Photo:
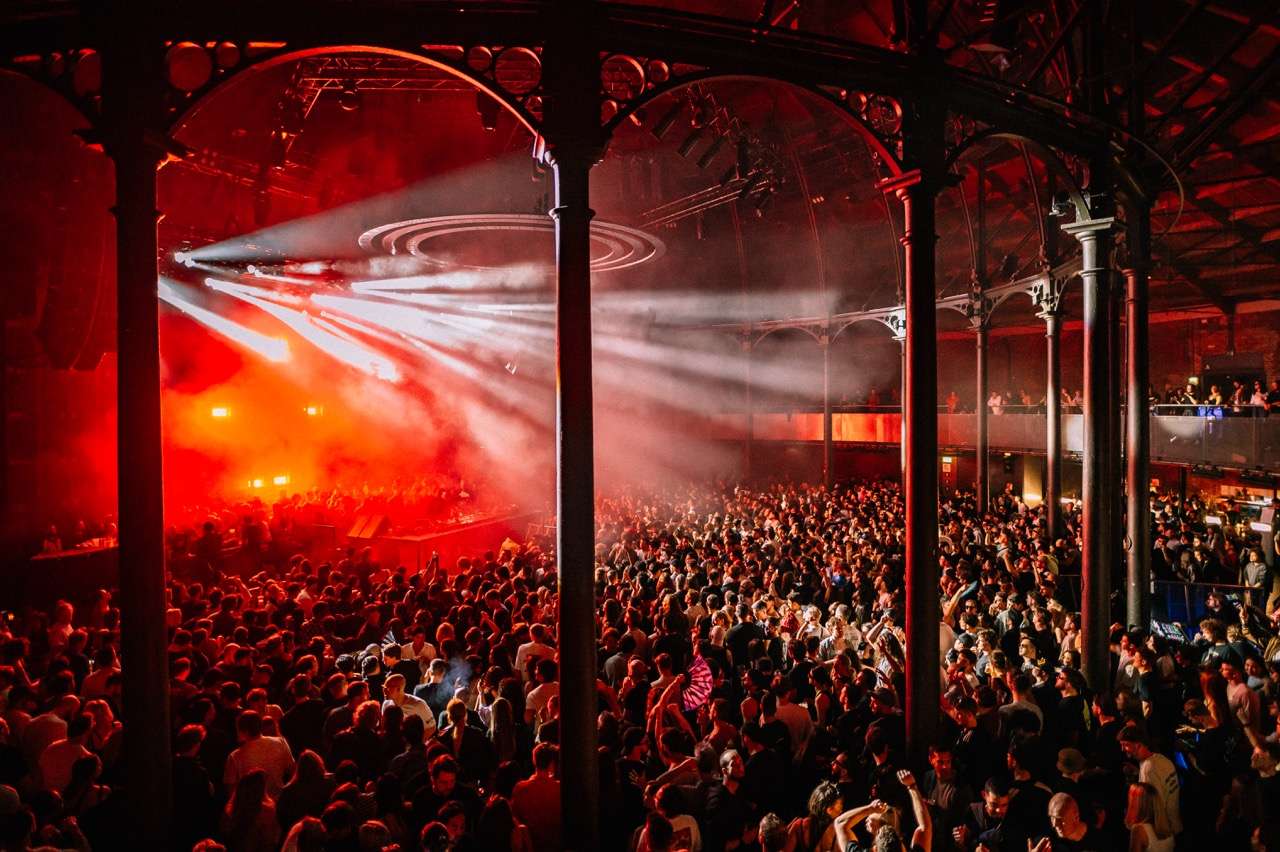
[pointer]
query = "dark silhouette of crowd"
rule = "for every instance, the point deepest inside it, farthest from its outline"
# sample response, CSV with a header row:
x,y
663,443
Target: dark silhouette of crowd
x,y
750,685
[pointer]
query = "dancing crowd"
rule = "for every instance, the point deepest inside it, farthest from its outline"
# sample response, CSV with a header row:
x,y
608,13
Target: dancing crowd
x,y
749,680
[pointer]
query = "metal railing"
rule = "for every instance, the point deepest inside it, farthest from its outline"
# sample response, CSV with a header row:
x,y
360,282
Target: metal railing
x,y
1242,442
1184,603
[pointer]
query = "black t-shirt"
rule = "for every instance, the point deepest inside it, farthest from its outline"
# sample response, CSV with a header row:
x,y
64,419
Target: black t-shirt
x,y
727,816
740,637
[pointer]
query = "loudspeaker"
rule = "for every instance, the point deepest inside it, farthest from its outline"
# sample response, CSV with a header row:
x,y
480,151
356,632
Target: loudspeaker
x,y
368,526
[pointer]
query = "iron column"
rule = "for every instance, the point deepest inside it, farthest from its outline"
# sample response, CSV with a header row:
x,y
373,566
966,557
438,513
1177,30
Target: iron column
x,y
982,481
1051,314
828,473
750,404
571,72
1137,437
1095,243
132,78
917,194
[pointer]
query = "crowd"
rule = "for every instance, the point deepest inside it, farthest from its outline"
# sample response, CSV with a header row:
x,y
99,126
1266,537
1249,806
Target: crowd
x,y
1242,398
1252,398
750,683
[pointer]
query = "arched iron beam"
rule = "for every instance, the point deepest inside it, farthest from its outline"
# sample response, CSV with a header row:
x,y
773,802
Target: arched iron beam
x,y
48,87
855,121
726,46
293,53
1046,154
1041,224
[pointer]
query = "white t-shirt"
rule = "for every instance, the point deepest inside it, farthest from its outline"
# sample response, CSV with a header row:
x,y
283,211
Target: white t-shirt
x,y
946,638
1158,771
415,706
536,701
270,754
57,761
423,658
531,651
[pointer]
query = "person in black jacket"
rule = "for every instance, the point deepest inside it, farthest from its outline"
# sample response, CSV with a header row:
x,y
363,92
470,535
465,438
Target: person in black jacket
x,y
195,812
468,745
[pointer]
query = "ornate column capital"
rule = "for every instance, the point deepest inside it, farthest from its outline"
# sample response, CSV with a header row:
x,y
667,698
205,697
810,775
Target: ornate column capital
x,y
1046,294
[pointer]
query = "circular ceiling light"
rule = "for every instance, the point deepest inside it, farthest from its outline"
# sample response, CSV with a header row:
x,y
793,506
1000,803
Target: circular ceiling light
x,y
614,246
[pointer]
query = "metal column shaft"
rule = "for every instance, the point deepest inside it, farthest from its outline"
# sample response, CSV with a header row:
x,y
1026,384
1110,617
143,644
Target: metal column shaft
x,y
828,473
920,440
1137,435
982,456
571,109
1095,242
575,504
129,91
1053,424
749,440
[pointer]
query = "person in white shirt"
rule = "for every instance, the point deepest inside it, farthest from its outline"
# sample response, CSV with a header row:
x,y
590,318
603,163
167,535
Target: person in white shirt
x,y
419,649
270,754
535,703
533,650
1158,771
58,759
796,718
393,689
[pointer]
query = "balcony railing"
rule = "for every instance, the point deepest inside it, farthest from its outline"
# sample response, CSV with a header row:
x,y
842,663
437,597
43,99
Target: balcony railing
x,y
1244,442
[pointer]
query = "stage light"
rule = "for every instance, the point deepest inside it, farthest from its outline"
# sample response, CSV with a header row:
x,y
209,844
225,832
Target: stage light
x,y
1213,520
280,480
762,203
690,142
220,411
668,120
710,154
257,483
1258,526
753,180
349,97
729,174
313,410
947,459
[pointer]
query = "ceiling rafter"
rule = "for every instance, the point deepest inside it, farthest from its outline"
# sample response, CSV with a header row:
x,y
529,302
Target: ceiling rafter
x,y
1240,101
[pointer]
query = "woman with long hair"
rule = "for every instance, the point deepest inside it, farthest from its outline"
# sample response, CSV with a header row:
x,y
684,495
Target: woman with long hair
x,y
502,730
1213,686
498,829
816,832
308,792
249,822
1145,818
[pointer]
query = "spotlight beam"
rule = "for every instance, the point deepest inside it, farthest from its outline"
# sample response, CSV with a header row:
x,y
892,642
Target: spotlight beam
x,y
274,349
347,351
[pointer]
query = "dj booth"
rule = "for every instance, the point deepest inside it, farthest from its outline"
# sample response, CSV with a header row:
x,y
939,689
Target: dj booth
x,y
73,575
468,538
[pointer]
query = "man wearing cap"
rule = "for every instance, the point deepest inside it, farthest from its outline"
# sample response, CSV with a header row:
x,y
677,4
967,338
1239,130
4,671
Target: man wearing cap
x,y
888,720
1157,770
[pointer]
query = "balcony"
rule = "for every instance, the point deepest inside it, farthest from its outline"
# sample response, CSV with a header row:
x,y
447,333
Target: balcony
x,y
1183,438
